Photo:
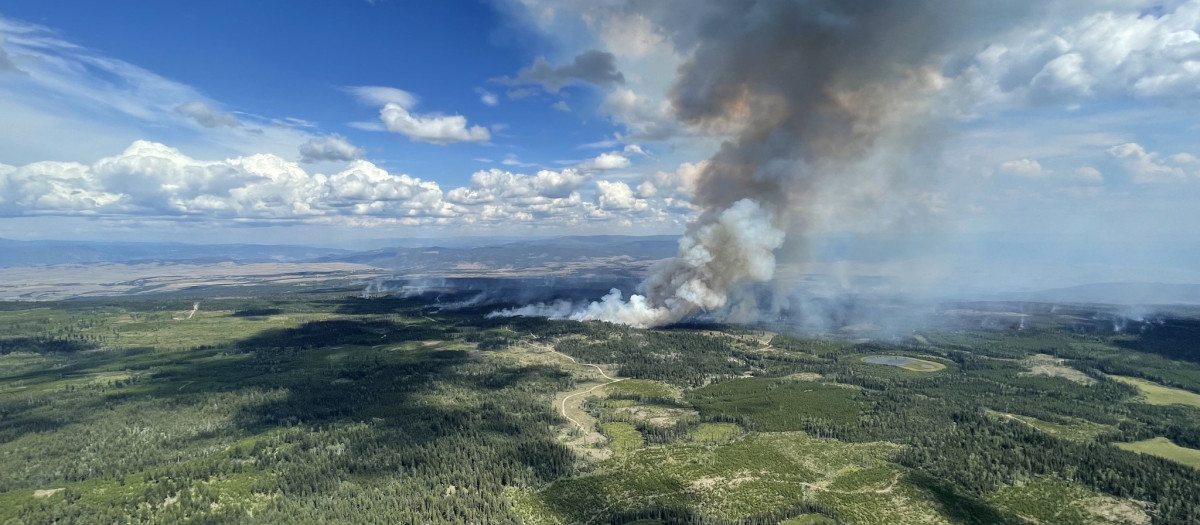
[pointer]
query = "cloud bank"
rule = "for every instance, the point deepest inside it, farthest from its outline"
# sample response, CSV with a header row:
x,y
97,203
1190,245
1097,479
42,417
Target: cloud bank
x,y
150,179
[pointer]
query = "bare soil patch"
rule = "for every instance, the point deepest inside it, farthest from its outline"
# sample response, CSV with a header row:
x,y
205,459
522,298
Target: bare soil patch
x,y
1048,365
46,493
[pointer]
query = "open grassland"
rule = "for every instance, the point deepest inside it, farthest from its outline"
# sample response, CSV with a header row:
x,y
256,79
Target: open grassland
x,y
1157,394
1047,365
655,415
1164,448
66,281
643,389
624,437
714,433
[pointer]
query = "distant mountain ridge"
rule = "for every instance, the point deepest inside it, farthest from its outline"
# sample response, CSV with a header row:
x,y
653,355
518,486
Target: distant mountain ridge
x,y
608,256
518,255
46,253
505,253
1115,293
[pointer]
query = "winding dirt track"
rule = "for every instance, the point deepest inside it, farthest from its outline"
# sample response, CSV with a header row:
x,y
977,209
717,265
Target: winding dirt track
x,y
563,406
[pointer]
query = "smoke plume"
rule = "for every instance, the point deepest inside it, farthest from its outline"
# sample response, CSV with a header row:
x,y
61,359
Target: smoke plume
x,y
825,103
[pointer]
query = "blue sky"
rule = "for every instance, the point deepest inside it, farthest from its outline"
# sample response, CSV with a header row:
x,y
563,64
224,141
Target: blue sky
x,y
327,122
272,59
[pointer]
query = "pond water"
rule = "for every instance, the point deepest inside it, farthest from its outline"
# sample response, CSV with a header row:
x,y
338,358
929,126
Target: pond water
x,y
896,360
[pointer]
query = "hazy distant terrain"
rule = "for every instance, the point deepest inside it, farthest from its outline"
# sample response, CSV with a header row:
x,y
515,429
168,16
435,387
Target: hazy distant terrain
x,y
68,281
1118,293
44,253
62,270
574,255
854,266
237,405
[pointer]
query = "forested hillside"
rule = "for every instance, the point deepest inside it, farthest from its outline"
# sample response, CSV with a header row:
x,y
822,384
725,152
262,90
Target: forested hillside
x,y
330,408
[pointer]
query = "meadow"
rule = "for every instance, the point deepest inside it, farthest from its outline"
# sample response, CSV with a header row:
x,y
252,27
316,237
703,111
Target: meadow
x,y
1164,448
1157,394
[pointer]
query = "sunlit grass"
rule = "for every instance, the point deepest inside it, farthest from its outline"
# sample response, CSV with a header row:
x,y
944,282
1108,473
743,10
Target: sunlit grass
x,y
1164,448
1156,394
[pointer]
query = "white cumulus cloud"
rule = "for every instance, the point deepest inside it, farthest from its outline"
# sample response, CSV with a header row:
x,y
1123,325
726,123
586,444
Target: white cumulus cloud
x,y
153,179
150,179
1107,53
1023,168
606,161
496,185
1145,167
616,195
682,182
487,97
436,129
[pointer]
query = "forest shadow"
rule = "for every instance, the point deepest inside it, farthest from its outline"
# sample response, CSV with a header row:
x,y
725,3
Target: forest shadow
x,y
386,304
353,371
335,332
590,499
257,312
1177,339
314,410
42,345
960,507
18,424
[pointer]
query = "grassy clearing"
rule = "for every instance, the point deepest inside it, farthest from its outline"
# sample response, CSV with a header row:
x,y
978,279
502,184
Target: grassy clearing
x,y
1050,366
1078,430
1051,500
908,363
579,432
1164,448
644,389
774,405
652,414
625,437
747,477
1156,394
714,433
207,327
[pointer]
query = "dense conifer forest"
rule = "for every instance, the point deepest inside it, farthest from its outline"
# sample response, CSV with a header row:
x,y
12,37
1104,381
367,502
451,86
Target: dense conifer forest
x,y
329,408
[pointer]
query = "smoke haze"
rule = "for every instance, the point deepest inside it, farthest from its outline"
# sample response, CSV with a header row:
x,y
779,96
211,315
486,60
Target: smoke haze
x,y
826,105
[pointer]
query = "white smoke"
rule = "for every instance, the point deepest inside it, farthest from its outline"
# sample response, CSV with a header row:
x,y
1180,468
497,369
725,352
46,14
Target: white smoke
x,y
824,104
557,310
737,246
